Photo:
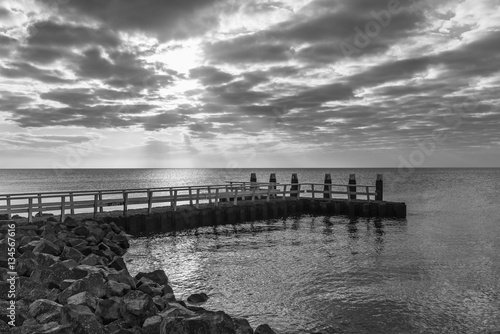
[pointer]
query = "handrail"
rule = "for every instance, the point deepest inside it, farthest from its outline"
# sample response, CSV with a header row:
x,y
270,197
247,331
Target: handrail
x,y
97,200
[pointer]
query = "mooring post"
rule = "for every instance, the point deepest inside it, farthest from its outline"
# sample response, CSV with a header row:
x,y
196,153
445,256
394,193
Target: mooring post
x,y
352,180
295,186
272,186
327,187
379,188
253,180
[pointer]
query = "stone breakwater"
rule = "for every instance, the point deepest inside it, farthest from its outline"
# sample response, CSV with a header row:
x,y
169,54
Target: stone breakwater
x,y
71,278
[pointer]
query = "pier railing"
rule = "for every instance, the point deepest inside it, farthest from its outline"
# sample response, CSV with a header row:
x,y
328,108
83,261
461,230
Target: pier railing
x,y
97,200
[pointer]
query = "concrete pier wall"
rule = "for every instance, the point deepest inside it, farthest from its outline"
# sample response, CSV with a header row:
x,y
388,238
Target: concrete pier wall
x,y
188,217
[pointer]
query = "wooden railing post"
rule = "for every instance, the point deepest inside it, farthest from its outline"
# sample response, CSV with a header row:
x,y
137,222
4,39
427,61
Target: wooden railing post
x,y
96,199
284,192
312,191
190,198
379,188
40,211
352,180
125,204
101,209
9,215
272,180
235,196
294,187
253,181
63,211
175,200
368,193
298,190
30,210
150,201
216,196
197,198
268,197
327,187
71,203
209,195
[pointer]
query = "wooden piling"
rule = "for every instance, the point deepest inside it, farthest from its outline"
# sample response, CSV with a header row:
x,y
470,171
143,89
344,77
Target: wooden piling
x,y
379,188
327,188
352,180
295,186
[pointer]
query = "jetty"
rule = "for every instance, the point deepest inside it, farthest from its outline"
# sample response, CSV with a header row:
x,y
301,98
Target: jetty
x,y
166,209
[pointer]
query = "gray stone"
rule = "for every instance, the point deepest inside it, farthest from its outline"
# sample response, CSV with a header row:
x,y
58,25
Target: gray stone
x,y
81,319
108,310
93,283
47,247
264,329
137,307
84,298
70,253
157,276
123,276
242,326
116,289
152,324
44,311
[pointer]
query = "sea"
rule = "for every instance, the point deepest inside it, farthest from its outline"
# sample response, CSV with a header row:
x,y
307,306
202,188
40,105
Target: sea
x,y
437,271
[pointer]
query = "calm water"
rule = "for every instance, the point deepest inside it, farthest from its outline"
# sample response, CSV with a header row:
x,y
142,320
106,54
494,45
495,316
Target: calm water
x,y
438,271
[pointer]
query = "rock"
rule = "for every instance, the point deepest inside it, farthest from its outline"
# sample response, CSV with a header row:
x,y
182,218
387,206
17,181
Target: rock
x,y
108,310
122,241
264,329
72,242
116,325
182,309
210,322
82,230
152,324
197,298
44,311
70,264
97,233
115,248
69,253
85,249
118,263
123,276
137,307
149,287
84,298
93,283
70,222
160,303
66,283
157,276
242,326
115,228
117,289
31,290
81,319
4,328
92,260
91,240
47,247
30,246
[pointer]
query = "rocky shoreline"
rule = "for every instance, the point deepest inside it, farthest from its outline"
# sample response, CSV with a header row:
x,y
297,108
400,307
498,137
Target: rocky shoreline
x,y
71,278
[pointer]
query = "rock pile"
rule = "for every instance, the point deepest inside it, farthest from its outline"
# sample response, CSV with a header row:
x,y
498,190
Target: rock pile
x,y
72,279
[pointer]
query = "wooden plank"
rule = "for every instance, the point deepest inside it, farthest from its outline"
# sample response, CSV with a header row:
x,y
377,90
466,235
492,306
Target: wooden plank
x,y
235,196
175,200
209,196
30,210
71,203
39,203
217,197
190,199
96,199
101,209
197,198
150,201
9,216
125,204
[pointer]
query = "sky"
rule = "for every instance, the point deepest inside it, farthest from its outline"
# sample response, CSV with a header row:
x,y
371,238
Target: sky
x,y
234,84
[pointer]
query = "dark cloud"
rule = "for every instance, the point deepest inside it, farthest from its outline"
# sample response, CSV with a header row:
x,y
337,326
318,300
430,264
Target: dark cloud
x,y
48,33
209,76
164,19
121,70
16,70
42,54
43,141
316,96
6,45
164,120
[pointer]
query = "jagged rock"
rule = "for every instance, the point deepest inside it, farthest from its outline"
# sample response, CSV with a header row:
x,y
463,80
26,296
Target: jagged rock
x,y
108,309
92,269
116,325
91,240
85,249
115,227
123,276
92,260
264,329
160,303
82,230
117,289
198,298
53,275
182,309
71,263
137,307
66,283
44,311
98,234
122,241
47,247
149,287
118,263
157,276
30,261
4,328
30,246
93,283
210,322
69,253
242,326
115,248
31,290
81,319
72,242
152,324
84,298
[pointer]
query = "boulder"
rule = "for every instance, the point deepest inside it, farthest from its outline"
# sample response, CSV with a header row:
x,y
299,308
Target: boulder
x,y
84,298
81,230
242,326
122,276
115,248
31,290
159,302
92,260
115,228
97,233
81,319
117,325
70,222
93,283
47,247
210,322
152,324
137,307
66,283
44,311
122,241
118,263
116,289
264,329
197,298
70,253
109,309
157,276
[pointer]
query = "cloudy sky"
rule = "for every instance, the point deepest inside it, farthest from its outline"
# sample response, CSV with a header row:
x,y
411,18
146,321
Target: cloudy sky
x,y
255,83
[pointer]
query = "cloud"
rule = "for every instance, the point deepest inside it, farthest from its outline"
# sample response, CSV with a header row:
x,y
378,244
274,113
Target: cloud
x,y
43,141
22,70
209,76
164,19
6,45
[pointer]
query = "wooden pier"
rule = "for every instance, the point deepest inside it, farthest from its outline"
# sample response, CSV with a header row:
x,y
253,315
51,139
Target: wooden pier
x,y
175,208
